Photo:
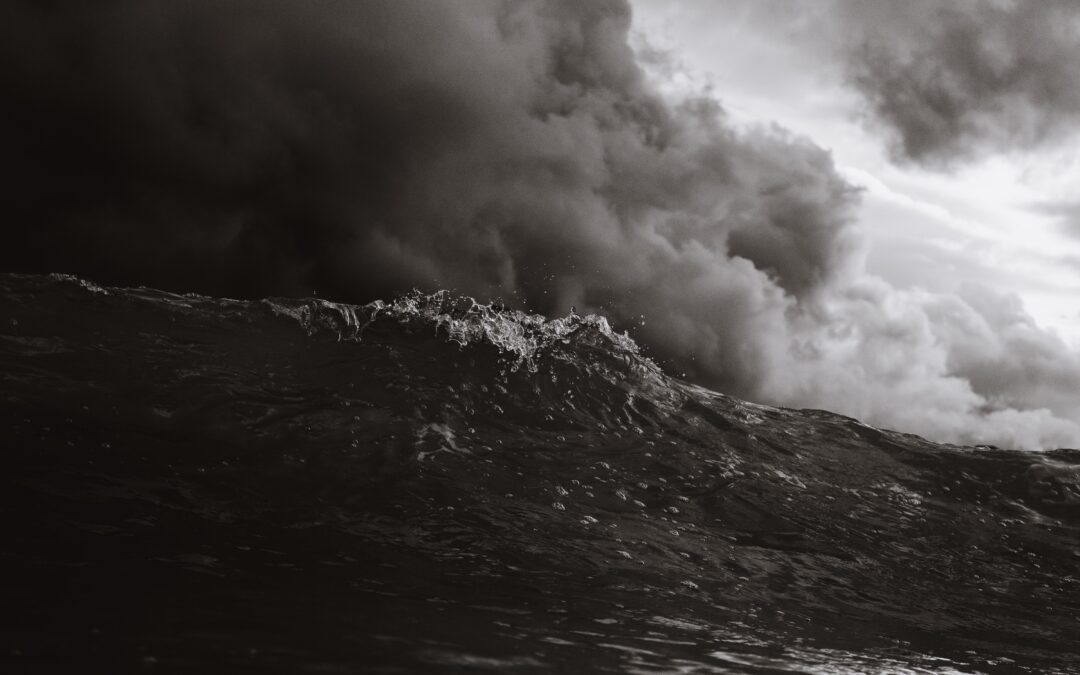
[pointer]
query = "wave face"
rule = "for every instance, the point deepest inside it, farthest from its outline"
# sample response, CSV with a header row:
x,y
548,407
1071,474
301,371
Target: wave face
x,y
434,484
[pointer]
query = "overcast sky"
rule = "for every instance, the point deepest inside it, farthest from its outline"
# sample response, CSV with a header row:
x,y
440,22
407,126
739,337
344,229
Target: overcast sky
x,y
866,206
1006,216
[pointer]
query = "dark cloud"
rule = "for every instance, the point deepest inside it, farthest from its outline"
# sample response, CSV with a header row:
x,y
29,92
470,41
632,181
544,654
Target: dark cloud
x,y
502,148
953,80
499,147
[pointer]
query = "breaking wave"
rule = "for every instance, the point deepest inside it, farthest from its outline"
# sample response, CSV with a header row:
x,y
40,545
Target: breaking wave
x,y
433,483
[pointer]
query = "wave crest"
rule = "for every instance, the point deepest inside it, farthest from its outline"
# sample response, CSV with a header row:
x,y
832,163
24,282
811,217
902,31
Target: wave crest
x,y
464,321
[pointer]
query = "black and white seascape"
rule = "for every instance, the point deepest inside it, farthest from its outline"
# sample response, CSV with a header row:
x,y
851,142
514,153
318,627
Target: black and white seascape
x,y
529,336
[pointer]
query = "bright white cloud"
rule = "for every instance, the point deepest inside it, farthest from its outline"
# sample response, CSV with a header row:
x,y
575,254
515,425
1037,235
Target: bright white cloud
x,y
939,244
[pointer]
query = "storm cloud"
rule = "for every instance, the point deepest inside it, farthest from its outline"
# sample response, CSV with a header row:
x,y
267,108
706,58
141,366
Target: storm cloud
x,y
507,149
958,80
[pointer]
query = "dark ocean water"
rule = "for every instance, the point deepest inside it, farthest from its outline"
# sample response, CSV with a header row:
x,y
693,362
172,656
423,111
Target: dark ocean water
x,y
432,485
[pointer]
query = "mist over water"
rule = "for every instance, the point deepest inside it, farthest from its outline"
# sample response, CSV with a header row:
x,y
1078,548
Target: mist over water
x,y
431,483
505,150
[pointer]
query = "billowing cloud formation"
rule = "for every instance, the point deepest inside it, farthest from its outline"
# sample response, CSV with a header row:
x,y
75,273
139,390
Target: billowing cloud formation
x,y
959,79
498,147
970,367
502,148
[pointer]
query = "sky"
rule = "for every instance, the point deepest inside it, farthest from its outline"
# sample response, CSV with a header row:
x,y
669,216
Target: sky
x,y
858,205
1006,218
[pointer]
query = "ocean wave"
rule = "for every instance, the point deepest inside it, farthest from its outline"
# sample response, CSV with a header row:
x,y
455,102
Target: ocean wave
x,y
460,479
462,320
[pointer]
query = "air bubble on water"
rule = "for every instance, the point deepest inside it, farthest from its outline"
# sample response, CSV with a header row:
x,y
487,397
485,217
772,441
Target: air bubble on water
x,y
561,490
558,506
